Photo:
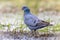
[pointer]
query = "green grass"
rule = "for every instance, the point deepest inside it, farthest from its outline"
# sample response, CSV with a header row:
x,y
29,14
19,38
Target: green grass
x,y
55,27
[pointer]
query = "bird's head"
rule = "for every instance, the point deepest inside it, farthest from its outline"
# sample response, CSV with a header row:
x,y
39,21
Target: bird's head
x,y
26,9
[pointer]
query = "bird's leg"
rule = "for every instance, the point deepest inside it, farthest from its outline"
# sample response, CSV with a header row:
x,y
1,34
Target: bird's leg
x,y
32,32
36,33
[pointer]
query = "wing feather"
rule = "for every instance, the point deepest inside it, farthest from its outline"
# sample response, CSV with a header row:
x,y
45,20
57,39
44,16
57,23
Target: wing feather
x,y
31,20
42,23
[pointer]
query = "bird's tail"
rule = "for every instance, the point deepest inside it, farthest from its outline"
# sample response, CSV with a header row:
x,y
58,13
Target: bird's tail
x,y
50,25
47,24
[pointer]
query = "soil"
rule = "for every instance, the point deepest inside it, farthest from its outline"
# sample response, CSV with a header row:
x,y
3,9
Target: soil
x,y
27,36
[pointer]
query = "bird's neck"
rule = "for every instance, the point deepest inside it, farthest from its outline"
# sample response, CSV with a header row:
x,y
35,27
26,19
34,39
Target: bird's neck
x,y
26,13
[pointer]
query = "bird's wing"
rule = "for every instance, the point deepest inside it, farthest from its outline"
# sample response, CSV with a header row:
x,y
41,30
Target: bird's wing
x,y
42,23
31,20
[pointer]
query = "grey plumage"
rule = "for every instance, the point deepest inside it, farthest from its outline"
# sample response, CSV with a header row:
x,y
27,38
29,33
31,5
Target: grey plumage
x,y
32,21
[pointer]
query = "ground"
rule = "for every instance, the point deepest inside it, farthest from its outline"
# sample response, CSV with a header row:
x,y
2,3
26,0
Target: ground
x,y
25,36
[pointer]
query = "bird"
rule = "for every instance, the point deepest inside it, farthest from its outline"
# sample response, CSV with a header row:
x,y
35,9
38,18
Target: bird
x,y
32,21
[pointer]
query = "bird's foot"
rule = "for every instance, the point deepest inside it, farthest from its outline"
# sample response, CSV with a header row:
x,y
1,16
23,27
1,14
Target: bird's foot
x,y
36,34
30,34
